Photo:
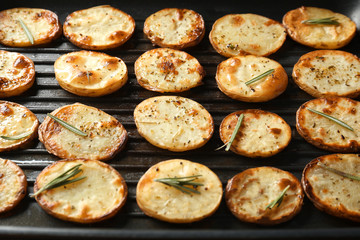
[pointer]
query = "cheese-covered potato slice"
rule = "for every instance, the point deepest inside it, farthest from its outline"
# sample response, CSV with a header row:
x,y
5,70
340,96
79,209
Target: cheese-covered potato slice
x,y
326,134
17,73
90,74
98,28
320,36
249,193
330,192
324,73
261,133
106,136
43,25
168,70
174,123
169,204
18,123
13,185
175,28
233,73
242,34
99,196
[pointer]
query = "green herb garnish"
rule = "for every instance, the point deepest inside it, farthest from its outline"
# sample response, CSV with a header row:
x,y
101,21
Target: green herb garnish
x,y
278,200
27,31
341,123
233,135
231,46
17,137
180,182
68,126
268,72
326,21
62,180
338,172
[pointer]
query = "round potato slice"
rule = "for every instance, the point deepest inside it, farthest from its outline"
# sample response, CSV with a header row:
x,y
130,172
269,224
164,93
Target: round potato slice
x,y
176,204
233,74
175,28
90,74
18,126
329,190
17,73
242,34
325,133
13,185
261,133
174,123
249,195
105,135
98,196
168,70
324,73
99,28
320,36
43,25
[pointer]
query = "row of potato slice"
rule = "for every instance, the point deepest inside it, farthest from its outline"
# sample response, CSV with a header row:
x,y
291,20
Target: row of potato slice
x,y
103,191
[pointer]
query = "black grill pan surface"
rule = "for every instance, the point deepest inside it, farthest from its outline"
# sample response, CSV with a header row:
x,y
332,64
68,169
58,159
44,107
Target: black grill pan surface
x,y
28,220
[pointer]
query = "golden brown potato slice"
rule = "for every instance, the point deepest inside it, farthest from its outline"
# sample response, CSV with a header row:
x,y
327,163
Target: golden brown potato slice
x,y
175,28
249,193
168,70
99,28
320,36
90,74
169,204
43,25
330,192
13,185
326,134
242,34
233,73
99,196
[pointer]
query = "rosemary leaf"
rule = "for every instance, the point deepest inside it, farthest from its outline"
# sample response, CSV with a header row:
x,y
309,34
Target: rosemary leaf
x,y
257,78
68,126
231,46
217,149
341,123
17,137
27,31
338,172
233,135
326,21
62,180
180,182
278,200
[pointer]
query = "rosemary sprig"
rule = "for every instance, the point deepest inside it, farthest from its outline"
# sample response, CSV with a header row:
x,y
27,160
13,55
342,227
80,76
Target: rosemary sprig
x,y
326,21
341,123
233,135
278,200
27,31
62,180
338,172
17,137
257,78
68,126
180,182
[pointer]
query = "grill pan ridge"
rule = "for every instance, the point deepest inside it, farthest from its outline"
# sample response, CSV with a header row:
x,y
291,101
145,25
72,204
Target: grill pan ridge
x,y
28,220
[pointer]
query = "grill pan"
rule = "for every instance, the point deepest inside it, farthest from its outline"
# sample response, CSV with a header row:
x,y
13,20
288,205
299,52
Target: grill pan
x,y
28,220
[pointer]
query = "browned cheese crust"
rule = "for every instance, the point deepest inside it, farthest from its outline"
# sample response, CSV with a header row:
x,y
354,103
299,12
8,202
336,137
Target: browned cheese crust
x,y
248,194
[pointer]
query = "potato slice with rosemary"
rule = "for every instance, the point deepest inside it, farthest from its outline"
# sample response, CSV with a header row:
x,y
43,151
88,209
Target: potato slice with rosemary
x,y
98,195
179,191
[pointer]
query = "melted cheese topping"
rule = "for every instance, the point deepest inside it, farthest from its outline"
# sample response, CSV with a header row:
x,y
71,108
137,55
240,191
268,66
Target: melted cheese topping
x,y
15,120
100,193
167,203
167,70
173,123
98,26
329,72
240,34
